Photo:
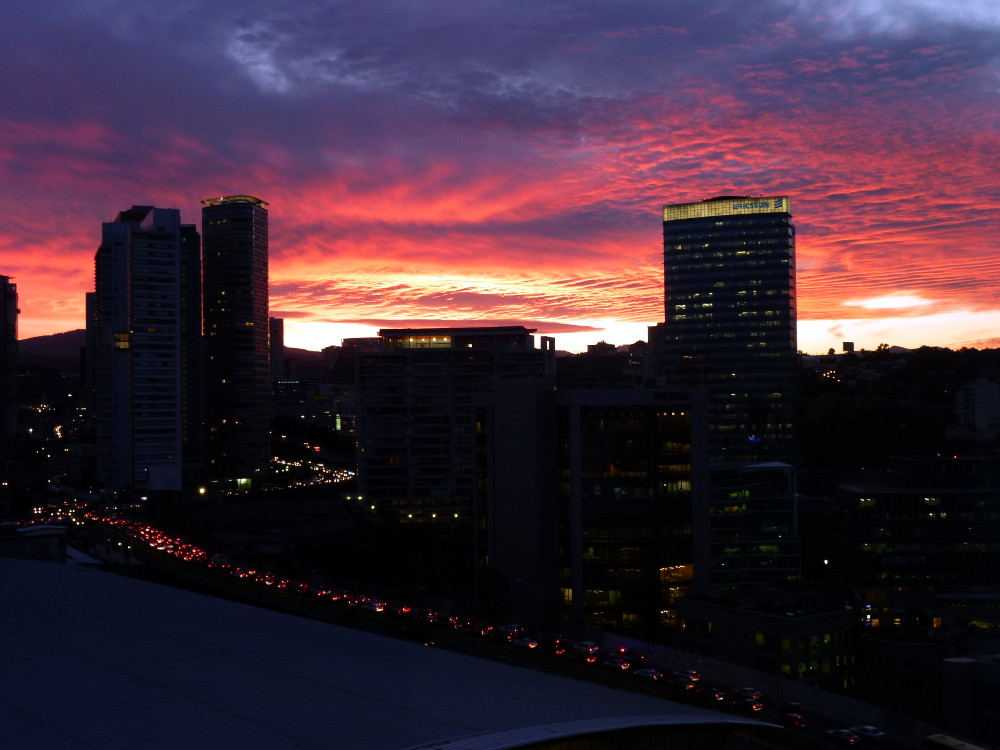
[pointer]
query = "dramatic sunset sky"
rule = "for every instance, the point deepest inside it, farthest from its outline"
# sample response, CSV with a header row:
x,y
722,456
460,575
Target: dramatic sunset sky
x,y
497,162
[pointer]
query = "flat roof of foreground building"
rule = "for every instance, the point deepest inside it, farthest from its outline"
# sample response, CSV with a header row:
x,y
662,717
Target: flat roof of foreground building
x,y
94,659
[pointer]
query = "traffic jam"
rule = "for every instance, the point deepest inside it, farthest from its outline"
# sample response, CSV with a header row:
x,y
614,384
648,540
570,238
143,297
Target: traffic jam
x,y
589,658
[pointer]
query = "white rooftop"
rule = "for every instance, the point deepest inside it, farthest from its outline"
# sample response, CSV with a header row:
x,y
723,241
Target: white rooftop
x,y
96,660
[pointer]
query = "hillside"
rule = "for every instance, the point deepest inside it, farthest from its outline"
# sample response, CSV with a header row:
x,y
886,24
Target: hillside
x,y
62,350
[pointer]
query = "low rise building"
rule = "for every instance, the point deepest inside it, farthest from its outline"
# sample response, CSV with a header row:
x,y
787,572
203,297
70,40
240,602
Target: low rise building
x,y
799,635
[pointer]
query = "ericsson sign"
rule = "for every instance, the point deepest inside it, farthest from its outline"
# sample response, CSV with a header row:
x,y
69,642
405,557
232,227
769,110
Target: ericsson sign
x,y
727,206
769,203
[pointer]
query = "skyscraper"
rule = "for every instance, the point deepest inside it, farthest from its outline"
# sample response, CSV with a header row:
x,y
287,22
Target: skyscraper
x,y
237,357
729,271
8,365
141,320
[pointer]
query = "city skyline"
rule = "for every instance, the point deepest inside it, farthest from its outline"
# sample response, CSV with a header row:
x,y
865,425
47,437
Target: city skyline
x,y
506,164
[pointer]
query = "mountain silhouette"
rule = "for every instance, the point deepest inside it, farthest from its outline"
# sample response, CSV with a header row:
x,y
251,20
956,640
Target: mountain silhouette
x,y
62,350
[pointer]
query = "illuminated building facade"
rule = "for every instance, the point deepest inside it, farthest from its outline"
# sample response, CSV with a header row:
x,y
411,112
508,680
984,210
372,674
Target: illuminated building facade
x,y
754,532
416,399
237,354
143,324
633,508
729,283
804,636
923,535
729,270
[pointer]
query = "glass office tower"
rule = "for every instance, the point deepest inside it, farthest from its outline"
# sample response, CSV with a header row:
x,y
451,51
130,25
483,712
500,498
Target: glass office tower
x,y
729,268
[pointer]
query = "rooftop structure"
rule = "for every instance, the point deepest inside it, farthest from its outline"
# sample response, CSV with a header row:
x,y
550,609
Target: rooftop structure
x,y
108,661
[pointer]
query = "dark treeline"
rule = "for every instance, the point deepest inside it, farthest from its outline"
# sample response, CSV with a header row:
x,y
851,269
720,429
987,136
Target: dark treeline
x,y
859,409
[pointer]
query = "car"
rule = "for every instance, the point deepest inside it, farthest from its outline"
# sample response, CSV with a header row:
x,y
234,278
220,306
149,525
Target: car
x,y
792,707
868,732
749,704
554,644
844,736
586,650
681,683
510,632
747,692
429,615
526,641
791,721
616,662
689,673
340,596
632,655
647,674
710,695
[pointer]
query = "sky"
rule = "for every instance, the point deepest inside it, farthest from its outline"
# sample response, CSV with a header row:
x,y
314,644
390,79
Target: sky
x,y
481,162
